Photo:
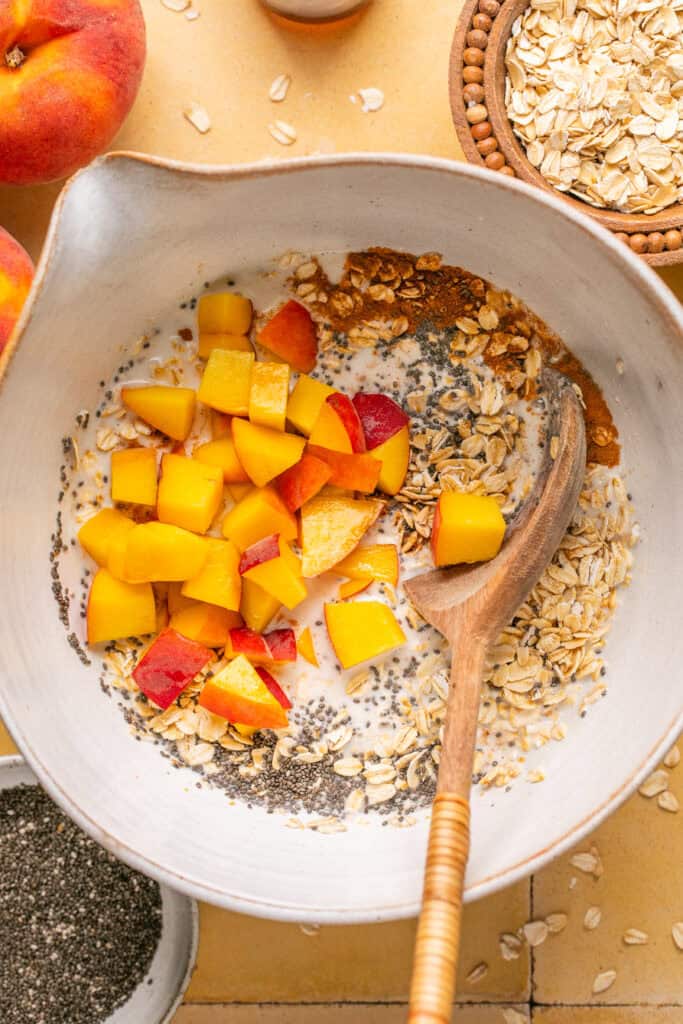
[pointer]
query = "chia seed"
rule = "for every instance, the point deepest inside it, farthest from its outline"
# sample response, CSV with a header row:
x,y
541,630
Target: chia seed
x,y
78,929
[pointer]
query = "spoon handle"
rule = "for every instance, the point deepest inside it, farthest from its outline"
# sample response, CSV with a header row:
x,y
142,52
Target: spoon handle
x,y
438,931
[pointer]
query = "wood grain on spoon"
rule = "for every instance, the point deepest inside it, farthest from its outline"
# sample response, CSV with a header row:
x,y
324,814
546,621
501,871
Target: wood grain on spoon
x,y
470,605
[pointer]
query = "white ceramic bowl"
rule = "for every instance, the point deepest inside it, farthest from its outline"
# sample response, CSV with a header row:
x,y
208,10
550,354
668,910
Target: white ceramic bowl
x,y
161,991
130,235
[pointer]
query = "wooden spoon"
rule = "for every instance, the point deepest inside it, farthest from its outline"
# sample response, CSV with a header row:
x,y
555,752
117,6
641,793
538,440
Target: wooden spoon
x,y
470,605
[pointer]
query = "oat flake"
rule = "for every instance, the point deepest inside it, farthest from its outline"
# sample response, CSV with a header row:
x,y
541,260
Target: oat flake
x,y
198,117
283,132
592,918
677,934
603,981
279,88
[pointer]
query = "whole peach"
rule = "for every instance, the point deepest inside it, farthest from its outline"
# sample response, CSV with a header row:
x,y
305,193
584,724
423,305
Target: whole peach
x,y
16,274
69,73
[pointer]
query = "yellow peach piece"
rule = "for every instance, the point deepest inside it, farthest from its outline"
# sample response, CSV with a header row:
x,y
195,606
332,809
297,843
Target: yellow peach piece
x,y
239,491
360,630
394,455
244,730
259,514
304,645
233,342
269,393
371,562
279,576
219,582
175,598
305,403
222,453
349,588
239,694
117,610
257,608
220,424
206,623
331,527
265,453
467,528
99,533
168,409
226,381
157,552
134,476
329,431
224,313
190,493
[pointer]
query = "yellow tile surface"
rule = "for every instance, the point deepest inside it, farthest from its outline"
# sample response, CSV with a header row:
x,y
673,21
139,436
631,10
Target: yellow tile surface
x,y
604,1015
357,1014
359,963
6,742
642,887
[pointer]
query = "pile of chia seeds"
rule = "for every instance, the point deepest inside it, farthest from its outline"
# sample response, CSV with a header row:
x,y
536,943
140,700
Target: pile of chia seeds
x,y
78,929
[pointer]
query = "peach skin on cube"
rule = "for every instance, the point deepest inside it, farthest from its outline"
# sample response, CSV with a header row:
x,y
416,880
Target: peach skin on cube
x,y
239,694
224,313
117,610
159,552
233,342
305,403
168,665
221,453
219,581
371,562
134,476
190,493
331,527
303,481
269,394
259,514
291,335
168,409
206,623
226,381
257,608
360,630
394,455
467,528
353,472
97,535
272,565
265,453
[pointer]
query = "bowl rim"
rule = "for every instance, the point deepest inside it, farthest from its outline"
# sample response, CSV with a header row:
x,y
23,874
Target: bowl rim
x,y
636,274
494,75
8,762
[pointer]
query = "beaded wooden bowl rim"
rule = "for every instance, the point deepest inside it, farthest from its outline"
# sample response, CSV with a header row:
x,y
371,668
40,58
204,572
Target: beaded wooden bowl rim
x,y
478,58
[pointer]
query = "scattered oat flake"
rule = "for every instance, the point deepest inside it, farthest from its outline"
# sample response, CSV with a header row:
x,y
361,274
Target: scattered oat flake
x,y
282,132
192,14
634,937
310,929
603,981
556,923
592,918
198,117
673,757
477,973
535,932
655,784
176,5
279,88
372,99
510,946
677,934
668,801
586,862
511,1016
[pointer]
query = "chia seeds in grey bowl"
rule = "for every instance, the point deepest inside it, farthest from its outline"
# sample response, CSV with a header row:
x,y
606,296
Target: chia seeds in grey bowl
x,y
85,939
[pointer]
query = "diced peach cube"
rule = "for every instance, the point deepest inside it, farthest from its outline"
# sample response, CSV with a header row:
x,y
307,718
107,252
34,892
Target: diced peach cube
x,y
305,403
257,607
158,552
117,610
272,565
226,382
329,431
349,588
394,455
224,313
206,623
360,630
168,409
219,581
263,452
222,453
302,481
190,493
291,334
331,527
97,535
239,491
467,528
134,476
168,665
371,562
269,394
239,694
259,514
233,342
351,471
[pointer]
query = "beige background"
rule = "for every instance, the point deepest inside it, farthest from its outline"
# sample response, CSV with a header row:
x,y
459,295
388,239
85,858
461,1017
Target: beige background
x,y
256,972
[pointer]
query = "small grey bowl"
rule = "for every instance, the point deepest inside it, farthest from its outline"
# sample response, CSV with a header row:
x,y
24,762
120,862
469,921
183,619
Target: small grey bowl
x,y
161,991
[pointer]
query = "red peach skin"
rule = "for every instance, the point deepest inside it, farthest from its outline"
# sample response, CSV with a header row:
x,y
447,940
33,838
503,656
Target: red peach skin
x,y
16,274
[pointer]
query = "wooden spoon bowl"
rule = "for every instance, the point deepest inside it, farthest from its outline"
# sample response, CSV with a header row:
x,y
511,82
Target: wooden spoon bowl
x,y
478,58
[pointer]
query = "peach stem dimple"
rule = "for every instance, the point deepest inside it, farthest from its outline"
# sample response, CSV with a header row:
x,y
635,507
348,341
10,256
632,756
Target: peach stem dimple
x,y
14,58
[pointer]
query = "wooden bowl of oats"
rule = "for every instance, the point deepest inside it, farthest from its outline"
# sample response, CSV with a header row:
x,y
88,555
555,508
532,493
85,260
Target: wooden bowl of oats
x,y
582,99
